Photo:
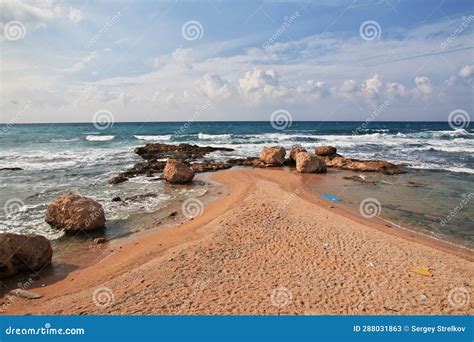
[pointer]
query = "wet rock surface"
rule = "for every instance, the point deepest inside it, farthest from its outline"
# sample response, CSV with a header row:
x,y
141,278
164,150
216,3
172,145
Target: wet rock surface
x,y
182,152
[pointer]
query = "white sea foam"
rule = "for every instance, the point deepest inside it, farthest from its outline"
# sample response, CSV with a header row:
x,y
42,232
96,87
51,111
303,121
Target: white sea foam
x,y
99,137
214,137
153,137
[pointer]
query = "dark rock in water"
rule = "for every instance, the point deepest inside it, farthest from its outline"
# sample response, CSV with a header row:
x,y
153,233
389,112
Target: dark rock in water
x,y
11,169
181,152
75,213
143,168
338,161
141,197
173,214
120,178
176,172
23,253
359,179
116,199
209,165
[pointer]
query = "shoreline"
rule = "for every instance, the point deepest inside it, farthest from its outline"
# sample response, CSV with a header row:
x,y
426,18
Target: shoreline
x,y
72,294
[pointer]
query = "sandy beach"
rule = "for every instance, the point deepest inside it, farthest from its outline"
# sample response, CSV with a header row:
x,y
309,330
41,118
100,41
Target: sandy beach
x,y
266,246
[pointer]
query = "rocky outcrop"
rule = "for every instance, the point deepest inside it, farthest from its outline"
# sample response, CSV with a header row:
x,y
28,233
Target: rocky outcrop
x,y
75,213
325,151
176,172
295,150
309,163
273,156
382,166
181,152
148,168
20,253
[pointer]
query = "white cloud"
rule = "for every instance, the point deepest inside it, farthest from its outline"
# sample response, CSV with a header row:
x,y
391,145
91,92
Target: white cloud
x,y
372,87
423,86
214,86
258,85
317,88
183,57
467,71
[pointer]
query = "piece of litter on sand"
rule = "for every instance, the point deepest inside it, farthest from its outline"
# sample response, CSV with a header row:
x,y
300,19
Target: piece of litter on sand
x,y
331,197
425,271
370,264
423,297
25,294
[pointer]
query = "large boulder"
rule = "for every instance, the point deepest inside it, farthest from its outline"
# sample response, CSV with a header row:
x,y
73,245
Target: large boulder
x,y
177,172
273,156
294,151
75,213
20,253
309,163
325,151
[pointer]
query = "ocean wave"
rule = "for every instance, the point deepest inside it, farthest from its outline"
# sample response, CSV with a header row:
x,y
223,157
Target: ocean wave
x,y
203,136
153,137
64,140
437,167
459,133
100,137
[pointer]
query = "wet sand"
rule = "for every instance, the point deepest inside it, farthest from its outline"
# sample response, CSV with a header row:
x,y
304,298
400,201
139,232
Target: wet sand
x,y
268,246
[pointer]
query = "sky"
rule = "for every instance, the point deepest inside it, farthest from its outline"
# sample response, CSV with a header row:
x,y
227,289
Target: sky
x,y
144,60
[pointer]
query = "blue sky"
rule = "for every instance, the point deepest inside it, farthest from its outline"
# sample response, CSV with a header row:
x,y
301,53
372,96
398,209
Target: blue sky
x,y
62,61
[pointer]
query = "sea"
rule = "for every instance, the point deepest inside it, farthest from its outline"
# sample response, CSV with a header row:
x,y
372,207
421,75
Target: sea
x,y
435,196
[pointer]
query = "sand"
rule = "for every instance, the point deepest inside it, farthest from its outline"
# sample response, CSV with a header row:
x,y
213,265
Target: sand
x,y
268,246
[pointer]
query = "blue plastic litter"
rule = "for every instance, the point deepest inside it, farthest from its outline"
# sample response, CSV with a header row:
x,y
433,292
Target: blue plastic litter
x,y
332,198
